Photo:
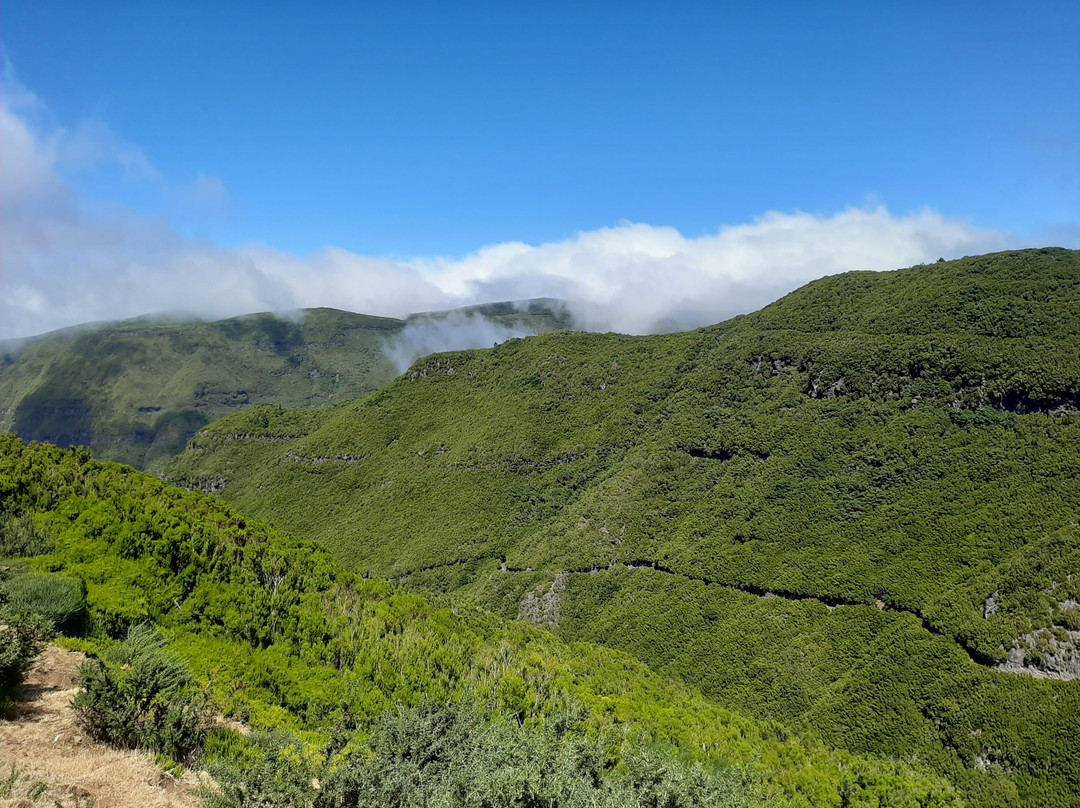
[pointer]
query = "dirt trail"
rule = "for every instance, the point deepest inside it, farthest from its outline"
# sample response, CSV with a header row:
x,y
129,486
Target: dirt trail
x,y
45,746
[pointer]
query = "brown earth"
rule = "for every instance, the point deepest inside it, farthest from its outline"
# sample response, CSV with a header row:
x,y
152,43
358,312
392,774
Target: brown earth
x,y
44,746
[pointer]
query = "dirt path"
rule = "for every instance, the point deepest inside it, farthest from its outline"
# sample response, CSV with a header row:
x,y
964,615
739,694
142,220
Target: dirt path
x,y
45,747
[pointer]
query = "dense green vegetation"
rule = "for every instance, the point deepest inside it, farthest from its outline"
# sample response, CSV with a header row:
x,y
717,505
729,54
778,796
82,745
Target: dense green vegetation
x,y
841,512
32,605
135,391
452,756
370,690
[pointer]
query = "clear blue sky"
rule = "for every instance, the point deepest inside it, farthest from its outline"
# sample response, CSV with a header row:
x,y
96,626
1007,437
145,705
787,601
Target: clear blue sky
x,y
414,128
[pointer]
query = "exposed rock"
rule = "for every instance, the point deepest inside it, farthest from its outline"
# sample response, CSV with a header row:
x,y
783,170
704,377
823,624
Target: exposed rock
x,y
1052,653
834,390
209,485
247,437
988,759
546,609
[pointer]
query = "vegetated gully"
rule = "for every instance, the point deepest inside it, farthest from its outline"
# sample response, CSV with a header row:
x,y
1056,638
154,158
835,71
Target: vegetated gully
x,y
830,603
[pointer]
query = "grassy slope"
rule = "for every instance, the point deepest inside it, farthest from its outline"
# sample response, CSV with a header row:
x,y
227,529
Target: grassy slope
x,y
908,437
289,640
136,391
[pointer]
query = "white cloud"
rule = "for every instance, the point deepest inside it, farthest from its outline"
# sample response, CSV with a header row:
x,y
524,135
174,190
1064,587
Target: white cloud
x,y
640,279
26,163
203,195
67,260
457,331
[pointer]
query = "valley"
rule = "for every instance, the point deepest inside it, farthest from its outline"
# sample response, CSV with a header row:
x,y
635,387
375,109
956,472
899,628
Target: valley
x,y
237,626
538,405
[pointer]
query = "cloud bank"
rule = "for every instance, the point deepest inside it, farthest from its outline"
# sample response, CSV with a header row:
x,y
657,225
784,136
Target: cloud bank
x,y
66,259
457,331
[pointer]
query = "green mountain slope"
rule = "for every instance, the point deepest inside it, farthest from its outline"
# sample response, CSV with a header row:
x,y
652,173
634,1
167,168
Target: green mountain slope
x,y
844,512
136,391
281,637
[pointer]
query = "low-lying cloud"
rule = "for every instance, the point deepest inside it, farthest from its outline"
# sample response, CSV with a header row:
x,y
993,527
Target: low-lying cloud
x,y
456,331
637,278
68,260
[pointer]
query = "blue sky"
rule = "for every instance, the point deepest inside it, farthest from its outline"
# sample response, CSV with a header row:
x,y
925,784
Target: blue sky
x,y
426,132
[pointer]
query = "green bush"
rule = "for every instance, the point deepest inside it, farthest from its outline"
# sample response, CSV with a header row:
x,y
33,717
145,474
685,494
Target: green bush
x,y
450,755
20,536
22,638
143,697
268,768
60,600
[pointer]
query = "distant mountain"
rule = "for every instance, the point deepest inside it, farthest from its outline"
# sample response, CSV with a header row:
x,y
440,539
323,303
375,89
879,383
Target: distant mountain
x,y
135,391
853,512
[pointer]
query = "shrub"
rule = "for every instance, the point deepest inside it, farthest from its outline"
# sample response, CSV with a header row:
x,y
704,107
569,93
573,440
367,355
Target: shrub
x,y
22,637
451,756
268,768
20,536
143,697
60,600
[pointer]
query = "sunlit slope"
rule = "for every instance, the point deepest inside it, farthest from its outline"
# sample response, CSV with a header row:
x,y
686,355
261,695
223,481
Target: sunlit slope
x,y
463,454
840,511
281,637
136,391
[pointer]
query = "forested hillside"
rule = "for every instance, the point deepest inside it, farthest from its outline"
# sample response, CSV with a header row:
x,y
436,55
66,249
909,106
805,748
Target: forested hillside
x,y
853,512
359,692
135,391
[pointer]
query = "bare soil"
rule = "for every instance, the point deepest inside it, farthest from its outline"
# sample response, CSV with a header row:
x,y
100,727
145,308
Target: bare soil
x,y
44,745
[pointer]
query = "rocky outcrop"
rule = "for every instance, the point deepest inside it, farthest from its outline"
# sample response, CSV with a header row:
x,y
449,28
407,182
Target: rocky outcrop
x,y
544,609
1052,653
